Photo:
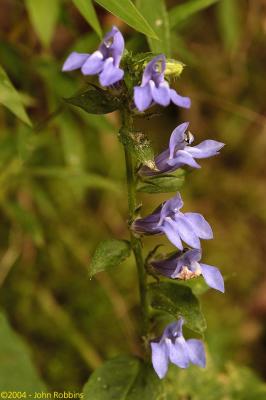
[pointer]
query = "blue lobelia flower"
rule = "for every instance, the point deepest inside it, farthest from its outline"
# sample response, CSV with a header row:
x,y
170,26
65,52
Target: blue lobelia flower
x,y
186,265
154,88
104,61
177,226
180,152
173,347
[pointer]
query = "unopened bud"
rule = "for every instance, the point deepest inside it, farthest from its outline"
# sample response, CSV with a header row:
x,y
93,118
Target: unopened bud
x,y
173,68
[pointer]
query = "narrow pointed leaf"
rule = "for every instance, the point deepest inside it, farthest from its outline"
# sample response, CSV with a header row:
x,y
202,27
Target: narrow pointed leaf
x,y
185,10
127,11
178,300
10,98
123,378
43,15
87,10
95,101
156,14
108,254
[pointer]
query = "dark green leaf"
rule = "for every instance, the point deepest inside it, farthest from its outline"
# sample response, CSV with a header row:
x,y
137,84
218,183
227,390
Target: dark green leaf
x,y
95,101
156,14
162,183
43,15
123,378
183,11
178,300
10,98
16,370
86,9
108,254
129,13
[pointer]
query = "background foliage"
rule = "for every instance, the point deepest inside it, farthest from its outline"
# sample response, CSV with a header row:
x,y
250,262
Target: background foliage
x,y
63,190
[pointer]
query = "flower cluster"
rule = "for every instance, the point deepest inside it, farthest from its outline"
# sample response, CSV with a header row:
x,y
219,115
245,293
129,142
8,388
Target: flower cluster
x,y
167,219
105,62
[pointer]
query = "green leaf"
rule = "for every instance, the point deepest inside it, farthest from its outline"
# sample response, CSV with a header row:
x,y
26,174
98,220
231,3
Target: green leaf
x,y
43,15
86,179
87,10
95,101
16,369
108,254
229,22
156,14
123,378
183,11
162,183
10,98
178,300
126,11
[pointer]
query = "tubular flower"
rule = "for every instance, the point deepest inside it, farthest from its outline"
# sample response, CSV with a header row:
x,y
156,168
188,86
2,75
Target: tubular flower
x,y
173,347
154,88
177,226
180,152
104,61
187,266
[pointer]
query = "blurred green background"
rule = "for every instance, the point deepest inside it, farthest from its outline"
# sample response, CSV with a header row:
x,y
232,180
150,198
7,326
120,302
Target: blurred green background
x,y
63,188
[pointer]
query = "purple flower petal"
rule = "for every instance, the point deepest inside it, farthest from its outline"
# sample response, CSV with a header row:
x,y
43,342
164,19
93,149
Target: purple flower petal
x,y
183,158
190,256
160,94
74,61
142,97
154,70
186,232
207,148
177,138
170,230
159,358
212,277
178,353
117,47
110,74
171,206
180,101
200,225
196,352
94,64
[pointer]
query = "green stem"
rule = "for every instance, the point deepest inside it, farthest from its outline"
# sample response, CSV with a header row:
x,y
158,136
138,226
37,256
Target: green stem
x,y
126,130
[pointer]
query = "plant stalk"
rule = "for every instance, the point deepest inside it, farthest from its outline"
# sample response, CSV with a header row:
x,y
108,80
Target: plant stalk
x,y
126,130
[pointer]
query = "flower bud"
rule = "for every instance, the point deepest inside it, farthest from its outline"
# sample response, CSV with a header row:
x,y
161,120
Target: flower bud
x,y
173,68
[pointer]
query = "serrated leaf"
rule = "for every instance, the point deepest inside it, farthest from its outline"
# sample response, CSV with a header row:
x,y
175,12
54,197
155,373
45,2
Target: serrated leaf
x,y
16,369
43,15
183,11
108,254
95,101
127,11
123,378
178,300
162,183
10,98
87,10
156,14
